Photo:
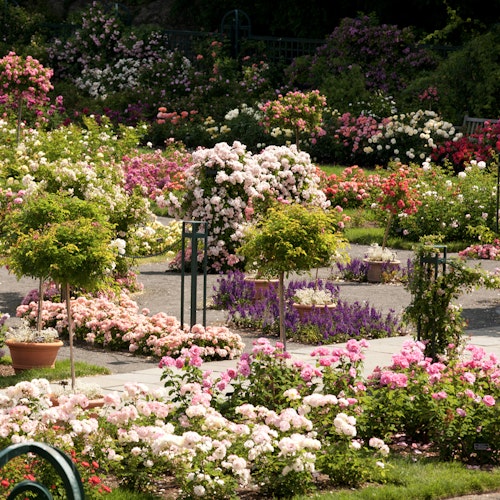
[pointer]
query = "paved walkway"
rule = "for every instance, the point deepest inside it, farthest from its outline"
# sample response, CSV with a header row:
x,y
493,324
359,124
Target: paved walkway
x,y
162,294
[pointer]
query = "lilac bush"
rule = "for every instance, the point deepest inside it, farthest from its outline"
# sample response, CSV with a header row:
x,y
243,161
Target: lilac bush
x,y
388,55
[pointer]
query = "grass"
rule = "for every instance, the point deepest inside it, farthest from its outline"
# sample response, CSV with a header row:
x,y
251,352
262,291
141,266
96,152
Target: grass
x,y
332,169
62,371
422,480
119,494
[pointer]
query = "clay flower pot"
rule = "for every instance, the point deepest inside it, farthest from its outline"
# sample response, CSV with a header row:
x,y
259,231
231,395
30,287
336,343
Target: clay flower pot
x,y
262,285
375,268
26,355
305,310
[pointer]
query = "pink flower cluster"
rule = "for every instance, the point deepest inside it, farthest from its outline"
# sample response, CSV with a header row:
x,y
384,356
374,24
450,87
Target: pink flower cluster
x,y
24,78
351,188
412,371
155,173
119,324
487,251
173,117
301,112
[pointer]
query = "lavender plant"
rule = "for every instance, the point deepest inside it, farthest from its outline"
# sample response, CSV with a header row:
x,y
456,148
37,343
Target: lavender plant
x,y
345,321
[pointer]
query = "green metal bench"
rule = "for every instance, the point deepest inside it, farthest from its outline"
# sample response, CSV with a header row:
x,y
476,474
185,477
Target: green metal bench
x,y
62,464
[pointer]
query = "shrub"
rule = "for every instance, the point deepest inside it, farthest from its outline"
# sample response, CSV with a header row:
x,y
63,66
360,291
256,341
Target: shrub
x,y
387,55
477,96
452,206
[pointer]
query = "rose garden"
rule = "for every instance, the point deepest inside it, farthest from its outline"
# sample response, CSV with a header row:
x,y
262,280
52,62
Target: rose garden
x,y
80,197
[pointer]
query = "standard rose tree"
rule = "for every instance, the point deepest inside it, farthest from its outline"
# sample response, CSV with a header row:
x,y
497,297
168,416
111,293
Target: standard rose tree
x,y
293,238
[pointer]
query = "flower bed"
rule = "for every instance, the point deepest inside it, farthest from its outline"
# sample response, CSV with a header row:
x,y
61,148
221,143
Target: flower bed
x,y
345,321
307,420
119,324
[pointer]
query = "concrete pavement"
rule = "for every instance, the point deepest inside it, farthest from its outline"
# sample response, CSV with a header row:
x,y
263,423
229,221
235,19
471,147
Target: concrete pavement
x,y
379,353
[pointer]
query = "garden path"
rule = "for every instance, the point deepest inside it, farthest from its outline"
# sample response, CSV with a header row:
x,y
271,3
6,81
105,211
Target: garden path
x,y
162,294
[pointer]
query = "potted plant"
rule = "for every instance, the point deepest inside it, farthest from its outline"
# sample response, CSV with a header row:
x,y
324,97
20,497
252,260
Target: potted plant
x,y
380,260
292,238
31,348
261,282
309,298
63,238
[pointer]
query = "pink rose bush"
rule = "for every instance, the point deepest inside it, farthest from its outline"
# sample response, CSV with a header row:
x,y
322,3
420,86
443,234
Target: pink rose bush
x,y
449,404
156,172
119,324
24,79
216,435
227,185
300,112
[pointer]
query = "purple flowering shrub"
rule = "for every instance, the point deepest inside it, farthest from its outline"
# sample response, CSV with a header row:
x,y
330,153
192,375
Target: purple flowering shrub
x,y
51,292
341,323
387,55
354,270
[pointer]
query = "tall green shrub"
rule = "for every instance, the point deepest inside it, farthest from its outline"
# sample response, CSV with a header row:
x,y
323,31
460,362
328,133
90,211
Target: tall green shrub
x,y
468,80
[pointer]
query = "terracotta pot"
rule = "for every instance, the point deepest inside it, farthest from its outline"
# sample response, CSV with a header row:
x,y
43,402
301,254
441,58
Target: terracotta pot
x,y
305,310
262,285
26,355
93,403
376,268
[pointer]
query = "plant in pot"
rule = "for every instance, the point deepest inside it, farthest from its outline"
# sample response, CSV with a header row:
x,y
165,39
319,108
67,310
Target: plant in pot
x,y
292,238
32,348
62,238
259,281
309,298
380,260
398,197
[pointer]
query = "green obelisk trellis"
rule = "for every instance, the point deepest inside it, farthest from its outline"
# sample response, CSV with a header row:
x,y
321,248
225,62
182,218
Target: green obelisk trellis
x,y
195,232
430,263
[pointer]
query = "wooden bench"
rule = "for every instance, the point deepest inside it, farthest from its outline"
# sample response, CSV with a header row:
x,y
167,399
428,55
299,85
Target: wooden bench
x,y
470,124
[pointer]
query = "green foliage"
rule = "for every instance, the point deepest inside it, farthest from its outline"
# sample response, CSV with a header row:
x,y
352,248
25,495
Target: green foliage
x,y
20,29
268,375
64,238
292,238
451,205
468,79
439,322
345,90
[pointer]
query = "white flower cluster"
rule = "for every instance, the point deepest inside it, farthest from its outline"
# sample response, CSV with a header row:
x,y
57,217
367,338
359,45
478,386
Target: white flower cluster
x,y
345,425
378,254
239,179
118,77
412,135
25,333
312,296
119,245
